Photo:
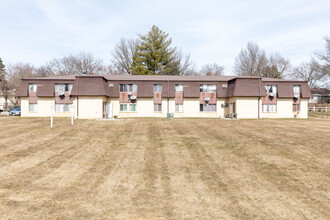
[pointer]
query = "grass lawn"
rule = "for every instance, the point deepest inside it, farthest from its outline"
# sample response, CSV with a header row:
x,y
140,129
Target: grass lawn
x,y
164,169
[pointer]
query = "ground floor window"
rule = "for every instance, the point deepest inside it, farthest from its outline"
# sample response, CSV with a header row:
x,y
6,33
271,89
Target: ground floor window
x,y
157,107
208,107
269,108
128,107
296,107
63,107
33,107
178,107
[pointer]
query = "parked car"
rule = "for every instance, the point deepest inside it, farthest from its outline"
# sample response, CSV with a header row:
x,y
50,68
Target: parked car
x,y
15,111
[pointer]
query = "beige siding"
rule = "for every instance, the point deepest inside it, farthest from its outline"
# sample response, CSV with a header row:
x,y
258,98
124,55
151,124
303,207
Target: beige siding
x,y
44,108
247,107
90,107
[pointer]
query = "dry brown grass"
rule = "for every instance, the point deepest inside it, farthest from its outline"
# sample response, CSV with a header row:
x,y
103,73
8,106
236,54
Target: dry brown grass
x,y
164,169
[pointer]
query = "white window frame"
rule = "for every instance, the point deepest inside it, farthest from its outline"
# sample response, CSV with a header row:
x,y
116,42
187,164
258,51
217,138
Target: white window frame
x,y
179,108
59,107
213,110
263,108
157,109
69,106
59,87
33,87
130,107
272,108
123,88
158,88
179,88
296,89
204,109
34,109
208,88
123,104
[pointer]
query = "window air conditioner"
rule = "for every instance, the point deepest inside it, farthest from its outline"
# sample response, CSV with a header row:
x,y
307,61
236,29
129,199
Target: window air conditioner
x,y
133,97
207,99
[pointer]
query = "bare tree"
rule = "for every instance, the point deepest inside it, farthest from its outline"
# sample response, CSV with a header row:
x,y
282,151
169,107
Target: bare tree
x,y
16,72
184,64
123,55
277,67
83,63
312,73
253,61
212,70
324,57
250,61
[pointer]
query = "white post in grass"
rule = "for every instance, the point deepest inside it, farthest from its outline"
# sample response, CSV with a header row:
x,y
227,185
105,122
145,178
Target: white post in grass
x,y
72,114
51,115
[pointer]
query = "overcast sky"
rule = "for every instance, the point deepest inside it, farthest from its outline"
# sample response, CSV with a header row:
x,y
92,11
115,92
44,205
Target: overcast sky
x,y
211,31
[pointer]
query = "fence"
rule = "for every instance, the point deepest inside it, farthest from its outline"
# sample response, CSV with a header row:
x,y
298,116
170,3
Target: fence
x,y
319,109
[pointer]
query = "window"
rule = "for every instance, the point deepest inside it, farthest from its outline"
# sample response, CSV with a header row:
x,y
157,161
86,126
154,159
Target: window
x,y
158,88
33,107
272,108
32,87
208,107
203,107
68,107
123,88
296,107
203,88
212,107
264,108
212,88
296,89
128,88
208,88
178,107
178,88
128,107
59,107
271,88
266,89
157,107
269,108
132,107
63,88
123,107
68,87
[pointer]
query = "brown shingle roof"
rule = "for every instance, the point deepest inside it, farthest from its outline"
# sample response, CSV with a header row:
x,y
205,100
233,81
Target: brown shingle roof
x,y
321,91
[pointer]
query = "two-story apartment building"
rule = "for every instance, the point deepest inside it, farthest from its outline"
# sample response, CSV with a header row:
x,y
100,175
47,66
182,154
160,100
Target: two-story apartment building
x,y
156,96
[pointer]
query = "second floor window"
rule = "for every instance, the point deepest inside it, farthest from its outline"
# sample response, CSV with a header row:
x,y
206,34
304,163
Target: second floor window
x,y
158,88
296,90
128,88
63,88
32,87
208,88
178,88
271,88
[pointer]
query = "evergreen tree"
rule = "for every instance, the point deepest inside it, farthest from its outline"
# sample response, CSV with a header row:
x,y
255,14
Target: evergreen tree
x,y
154,55
2,71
